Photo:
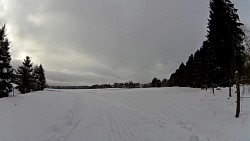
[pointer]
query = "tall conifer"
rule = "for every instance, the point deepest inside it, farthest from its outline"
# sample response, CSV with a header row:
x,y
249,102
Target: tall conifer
x,y
40,77
225,39
25,76
5,67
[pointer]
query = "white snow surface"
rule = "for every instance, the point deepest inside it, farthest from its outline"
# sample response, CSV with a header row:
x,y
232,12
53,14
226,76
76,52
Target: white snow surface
x,y
155,114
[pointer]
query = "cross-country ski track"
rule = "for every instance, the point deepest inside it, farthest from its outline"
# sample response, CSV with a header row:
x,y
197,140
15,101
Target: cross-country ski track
x,y
103,120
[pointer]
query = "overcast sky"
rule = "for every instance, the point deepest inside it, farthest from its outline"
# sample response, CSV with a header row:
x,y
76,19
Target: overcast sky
x,y
84,42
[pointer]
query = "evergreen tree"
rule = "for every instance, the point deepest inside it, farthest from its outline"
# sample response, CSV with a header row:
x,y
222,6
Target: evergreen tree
x,y
5,67
208,62
225,39
25,78
173,80
39,77
190,71
181,75
197,76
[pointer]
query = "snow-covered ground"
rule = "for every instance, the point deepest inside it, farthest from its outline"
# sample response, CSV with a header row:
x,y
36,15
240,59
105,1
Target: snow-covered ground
x,y
156,114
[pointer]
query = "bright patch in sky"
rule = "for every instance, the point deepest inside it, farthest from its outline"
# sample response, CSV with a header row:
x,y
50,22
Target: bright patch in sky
x,y
3,7
34,19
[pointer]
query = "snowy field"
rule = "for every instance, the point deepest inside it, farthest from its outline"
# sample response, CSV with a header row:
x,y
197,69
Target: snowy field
x,y
157,114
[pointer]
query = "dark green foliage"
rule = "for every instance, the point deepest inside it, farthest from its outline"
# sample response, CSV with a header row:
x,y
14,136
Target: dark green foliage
x,y
5,67
25,78
39,77
220,55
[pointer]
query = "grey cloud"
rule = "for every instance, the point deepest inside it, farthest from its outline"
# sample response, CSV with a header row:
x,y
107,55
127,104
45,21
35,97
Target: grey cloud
x,y
113,40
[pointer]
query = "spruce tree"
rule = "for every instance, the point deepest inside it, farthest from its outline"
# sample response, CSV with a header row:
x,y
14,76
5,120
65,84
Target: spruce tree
x,y
225,39
5,67
39,77
25,77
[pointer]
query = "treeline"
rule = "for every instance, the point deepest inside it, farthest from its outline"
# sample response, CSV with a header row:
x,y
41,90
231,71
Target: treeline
x,y
222,53
26,77
127,85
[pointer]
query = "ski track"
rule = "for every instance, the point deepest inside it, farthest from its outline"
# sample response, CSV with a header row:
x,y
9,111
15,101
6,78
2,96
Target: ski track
x,y
61,131
110,120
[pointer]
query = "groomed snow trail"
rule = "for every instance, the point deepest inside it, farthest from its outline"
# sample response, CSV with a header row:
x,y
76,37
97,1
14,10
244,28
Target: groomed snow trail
x,y
109,121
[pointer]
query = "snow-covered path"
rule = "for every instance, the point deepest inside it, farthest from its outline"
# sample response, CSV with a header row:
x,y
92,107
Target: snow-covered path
x,y
108,121
170,114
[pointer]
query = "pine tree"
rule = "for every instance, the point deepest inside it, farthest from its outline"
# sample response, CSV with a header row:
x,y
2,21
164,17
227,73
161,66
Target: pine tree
x,y
225,39
25,77
40,77
5,67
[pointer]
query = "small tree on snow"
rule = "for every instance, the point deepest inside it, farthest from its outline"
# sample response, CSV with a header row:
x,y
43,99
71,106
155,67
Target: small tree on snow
x,y
39,77
25,77
5,67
